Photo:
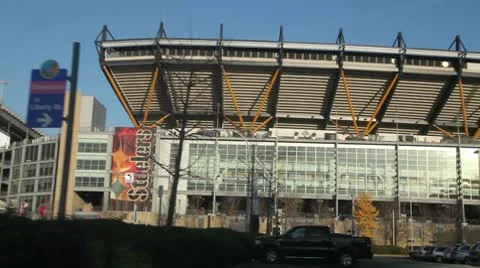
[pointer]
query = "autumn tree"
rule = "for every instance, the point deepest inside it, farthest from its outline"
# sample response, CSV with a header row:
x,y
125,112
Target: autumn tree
x,y
365,215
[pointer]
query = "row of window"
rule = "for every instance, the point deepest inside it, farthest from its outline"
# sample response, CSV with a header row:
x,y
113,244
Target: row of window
x,y
84,147
86,164
28,186
31,153
260,53
29,171
89,181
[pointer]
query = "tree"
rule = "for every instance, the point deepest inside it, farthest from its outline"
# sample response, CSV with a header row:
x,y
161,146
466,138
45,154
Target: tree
x,y
230,205
386,210
365,215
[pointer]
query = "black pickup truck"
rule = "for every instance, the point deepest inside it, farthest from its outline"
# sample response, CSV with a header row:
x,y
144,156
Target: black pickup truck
x,y
313,242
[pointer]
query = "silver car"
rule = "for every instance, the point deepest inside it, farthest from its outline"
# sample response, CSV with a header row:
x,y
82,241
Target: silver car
x,y
461,254
438,253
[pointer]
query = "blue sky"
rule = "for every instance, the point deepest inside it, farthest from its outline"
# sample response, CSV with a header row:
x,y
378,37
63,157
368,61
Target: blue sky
x,y
33,31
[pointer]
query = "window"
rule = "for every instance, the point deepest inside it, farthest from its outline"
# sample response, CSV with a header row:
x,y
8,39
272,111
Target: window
x,y
84,147
27,186
29,171
31,153
14,187
43,200
17,156
45,185
317,233
89,181
48,151
46,169
298,233
15,173
83,164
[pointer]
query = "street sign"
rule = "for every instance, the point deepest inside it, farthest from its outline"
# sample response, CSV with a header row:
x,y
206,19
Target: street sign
x,y
47,96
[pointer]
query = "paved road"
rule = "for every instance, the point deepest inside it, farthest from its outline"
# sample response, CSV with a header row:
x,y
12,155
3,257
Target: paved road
x,y
377,262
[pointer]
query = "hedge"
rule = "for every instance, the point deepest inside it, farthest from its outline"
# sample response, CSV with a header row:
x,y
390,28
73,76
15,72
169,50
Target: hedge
x,y
106,243
393,250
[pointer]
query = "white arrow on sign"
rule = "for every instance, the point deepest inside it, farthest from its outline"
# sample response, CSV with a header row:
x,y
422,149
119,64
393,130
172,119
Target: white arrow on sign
x,y
46,120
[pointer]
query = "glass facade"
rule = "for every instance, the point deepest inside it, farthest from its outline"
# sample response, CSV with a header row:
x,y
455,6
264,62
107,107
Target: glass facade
x,y
427,172
424,172
366,168
306,168
470,173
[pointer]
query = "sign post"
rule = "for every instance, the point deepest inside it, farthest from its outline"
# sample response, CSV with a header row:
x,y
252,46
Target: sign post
x,y
47,96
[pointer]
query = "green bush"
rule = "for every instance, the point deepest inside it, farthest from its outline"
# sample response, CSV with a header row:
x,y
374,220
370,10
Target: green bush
x,y
392,250
103,243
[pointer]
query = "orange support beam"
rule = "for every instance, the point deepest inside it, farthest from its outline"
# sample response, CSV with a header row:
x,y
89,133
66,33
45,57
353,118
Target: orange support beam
x,y
444,131
265,98
262,124
477,133
233,123
150,95
368,129
119,95
464,108
159,121
350,104
232,93
371,127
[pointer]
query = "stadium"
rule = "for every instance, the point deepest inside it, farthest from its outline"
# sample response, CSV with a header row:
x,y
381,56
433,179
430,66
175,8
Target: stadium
x,y
280,120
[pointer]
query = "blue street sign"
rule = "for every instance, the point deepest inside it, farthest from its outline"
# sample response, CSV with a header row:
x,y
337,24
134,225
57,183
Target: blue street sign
x,y
47,97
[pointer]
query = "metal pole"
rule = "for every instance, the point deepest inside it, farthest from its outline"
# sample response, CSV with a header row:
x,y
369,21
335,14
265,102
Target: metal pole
x,y
393,227
411,226
69,133
160,196
252,174
215,166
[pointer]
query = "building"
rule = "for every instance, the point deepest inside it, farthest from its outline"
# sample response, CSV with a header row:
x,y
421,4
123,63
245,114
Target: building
x,y
32,168
334,120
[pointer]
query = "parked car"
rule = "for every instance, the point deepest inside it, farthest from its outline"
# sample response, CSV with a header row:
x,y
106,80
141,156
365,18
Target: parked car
x,y
426,253
313,242
414,252
437,254
474,257
461,254
447,255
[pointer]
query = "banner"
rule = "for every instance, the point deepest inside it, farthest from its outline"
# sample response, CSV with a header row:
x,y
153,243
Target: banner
x,y
132,165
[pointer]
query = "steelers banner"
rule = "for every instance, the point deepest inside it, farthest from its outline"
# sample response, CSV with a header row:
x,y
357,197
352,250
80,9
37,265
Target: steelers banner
x,y
132,165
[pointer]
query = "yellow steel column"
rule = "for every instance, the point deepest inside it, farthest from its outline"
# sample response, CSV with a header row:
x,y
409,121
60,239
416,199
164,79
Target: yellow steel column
x,y
368,129
477,133
262,125
464,108
444,131
371,127
120,96
150,95
234,99
233,123
159,121
265,98
349,98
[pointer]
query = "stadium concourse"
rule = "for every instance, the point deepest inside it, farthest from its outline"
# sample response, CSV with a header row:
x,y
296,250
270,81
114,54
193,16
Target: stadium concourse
x,y
281,120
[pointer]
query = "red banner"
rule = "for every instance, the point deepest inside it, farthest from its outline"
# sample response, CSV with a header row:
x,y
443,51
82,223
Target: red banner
x,y
132,165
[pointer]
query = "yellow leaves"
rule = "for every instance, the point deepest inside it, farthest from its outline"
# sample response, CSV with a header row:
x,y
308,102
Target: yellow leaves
x,y
365,215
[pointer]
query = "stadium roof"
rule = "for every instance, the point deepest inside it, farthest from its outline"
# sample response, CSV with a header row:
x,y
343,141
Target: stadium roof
x,y
251,85
15,127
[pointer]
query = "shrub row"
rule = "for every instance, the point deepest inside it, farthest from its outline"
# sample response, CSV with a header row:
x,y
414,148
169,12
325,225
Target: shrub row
x,y
104,243
393,250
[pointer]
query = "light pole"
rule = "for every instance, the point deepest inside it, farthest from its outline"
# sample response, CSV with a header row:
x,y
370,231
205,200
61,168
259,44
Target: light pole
x,y
411,226
3,84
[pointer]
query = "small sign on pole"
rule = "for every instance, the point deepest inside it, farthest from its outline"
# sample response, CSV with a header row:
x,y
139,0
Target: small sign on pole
x,y
47,96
